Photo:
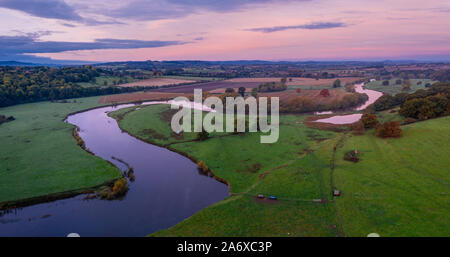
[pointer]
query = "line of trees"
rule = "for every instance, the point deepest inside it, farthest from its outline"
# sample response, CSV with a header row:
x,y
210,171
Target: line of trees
x,y
31,84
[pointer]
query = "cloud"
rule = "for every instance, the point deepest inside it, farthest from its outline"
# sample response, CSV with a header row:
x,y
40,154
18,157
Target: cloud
x,y
28,44
169,9
53,9
310,26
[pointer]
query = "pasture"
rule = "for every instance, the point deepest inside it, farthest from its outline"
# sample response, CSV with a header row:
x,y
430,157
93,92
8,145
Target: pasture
x,y
394,89
39,156
157,82
399,188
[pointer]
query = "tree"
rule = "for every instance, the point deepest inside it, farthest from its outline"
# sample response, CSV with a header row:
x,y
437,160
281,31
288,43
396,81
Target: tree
x,y
337,83
406,85
254,92
229,90
389,129
369,120
324,93
241,91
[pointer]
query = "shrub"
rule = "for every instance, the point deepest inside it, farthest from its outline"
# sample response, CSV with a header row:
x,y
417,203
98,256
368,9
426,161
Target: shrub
x,y
202,166
120,187
369,120
389,129
337,83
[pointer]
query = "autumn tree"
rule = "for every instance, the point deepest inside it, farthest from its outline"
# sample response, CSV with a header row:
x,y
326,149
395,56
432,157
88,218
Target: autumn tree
x,y
369,120
389,129
337,83
324,93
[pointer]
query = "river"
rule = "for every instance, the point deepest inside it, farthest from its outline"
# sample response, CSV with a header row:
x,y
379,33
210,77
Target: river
x,y
168,189
352,118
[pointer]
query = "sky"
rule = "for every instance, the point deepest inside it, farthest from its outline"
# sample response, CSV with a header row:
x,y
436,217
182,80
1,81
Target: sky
x,y
296,30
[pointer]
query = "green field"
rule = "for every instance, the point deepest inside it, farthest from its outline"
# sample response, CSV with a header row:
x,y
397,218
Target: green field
x,y
304,176
39,156
394,89
399,188
99,81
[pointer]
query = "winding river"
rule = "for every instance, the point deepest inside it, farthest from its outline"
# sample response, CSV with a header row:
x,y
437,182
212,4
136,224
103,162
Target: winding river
x,y
168,189
352,118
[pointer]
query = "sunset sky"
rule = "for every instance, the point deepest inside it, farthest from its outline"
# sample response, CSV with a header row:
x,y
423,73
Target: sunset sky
x,y
118,30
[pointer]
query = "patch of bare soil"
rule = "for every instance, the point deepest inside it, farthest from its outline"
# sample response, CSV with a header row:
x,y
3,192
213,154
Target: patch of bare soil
x,y
139,97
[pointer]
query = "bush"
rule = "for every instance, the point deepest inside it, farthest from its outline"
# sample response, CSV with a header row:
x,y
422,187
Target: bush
x,y
337,83
202,166
120,187
324,93
369,120
389,129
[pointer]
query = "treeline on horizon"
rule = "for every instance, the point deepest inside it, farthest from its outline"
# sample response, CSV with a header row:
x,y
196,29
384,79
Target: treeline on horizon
x,y
20,85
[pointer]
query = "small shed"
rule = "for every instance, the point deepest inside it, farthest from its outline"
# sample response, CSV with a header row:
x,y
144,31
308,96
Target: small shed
x,y
260,196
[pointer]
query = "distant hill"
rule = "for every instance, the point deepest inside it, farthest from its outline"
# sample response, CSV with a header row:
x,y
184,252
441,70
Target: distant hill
x,y
14,63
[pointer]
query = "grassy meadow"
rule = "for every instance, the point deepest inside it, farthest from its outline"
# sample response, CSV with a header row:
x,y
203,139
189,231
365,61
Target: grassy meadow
x,y
39,156
252,168
394,89
399,188
100,81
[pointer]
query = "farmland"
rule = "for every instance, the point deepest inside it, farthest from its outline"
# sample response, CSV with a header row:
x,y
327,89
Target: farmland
x,y
139,97
388,195
157,82
208,86
295,82
394,88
